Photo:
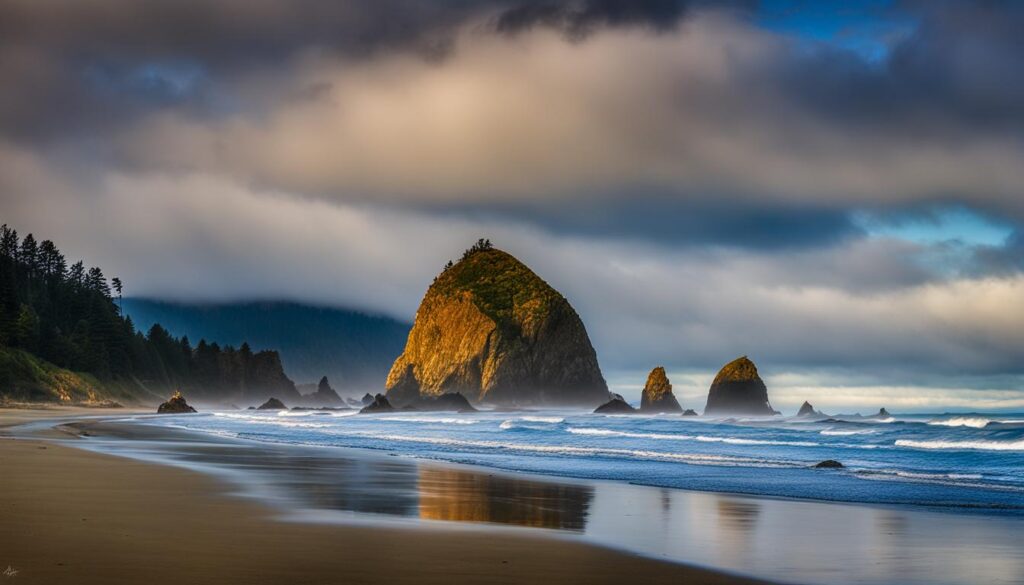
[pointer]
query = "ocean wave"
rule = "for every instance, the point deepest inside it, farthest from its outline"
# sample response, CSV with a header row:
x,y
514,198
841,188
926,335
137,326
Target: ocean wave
x,y
845,432
701,438
962,421
543,419
961,480
634,454
433,420
1017,445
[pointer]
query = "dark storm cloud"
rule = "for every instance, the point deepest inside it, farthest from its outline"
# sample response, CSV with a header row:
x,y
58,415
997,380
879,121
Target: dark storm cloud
x,y
579,18
675,222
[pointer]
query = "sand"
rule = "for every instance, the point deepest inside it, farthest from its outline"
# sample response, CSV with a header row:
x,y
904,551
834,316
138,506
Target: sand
x,y
78,517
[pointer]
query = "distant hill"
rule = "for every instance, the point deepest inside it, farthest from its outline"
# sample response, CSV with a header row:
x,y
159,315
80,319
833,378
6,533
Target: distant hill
x,y
353,349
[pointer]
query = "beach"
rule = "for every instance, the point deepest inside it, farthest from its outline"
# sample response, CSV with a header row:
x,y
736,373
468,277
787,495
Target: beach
x,y
75,516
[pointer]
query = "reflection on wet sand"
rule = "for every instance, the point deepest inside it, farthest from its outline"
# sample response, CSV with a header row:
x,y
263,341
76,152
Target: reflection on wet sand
x,y
457,495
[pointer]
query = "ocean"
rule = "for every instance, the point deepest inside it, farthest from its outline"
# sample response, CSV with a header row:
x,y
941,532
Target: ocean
x,y
951,461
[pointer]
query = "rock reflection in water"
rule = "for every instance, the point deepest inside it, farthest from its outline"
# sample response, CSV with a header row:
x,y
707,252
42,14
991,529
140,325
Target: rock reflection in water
x,y
457,495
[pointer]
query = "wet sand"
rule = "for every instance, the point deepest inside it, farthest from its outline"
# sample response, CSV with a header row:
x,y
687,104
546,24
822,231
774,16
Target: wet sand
x,y
73,516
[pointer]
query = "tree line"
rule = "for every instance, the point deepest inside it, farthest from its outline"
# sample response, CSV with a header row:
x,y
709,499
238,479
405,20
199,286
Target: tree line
x,y
71,316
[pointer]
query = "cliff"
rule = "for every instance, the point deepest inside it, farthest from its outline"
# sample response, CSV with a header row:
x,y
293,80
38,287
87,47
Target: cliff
x,y
657,395
738,389
490,328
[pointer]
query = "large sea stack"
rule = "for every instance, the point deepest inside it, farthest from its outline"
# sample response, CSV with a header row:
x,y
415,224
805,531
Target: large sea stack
x,y
738,389
657,395
493,330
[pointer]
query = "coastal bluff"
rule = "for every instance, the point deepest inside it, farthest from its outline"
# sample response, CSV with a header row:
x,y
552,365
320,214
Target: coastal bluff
x,y
738,389
492,329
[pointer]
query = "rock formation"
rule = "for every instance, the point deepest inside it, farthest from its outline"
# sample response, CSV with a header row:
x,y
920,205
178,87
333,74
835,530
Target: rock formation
x,y
450,402
807,410
738,389
490,328
617,405
367,399
324,395
657,395
175,405
690,412
829,464
272,404
380,404
882,413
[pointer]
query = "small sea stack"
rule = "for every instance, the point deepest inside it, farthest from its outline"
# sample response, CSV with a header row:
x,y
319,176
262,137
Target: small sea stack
x,y
175,405
829,464
690,412
657,395
367,399
272,404
448,402
617,405
738,389
379,404
806,409
882,413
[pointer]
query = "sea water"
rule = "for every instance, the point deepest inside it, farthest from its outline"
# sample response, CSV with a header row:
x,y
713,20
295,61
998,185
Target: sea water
x,y
971,462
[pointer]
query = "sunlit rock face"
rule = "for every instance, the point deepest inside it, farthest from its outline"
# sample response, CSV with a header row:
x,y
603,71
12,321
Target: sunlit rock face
x,y
657,395
738,389
493,330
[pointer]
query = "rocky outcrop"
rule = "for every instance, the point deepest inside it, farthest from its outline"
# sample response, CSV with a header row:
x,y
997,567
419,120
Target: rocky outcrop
x,y
617,405
450,402
175,405
324,395
272,404
829,464
380,404
882,413
738,389
367,399
689,412
490,328
807,410
657,395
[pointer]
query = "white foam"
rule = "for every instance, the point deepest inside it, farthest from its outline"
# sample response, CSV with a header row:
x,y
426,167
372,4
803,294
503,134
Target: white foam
x,y
543,419
844,432
701,438
1017,445
962,421
433,420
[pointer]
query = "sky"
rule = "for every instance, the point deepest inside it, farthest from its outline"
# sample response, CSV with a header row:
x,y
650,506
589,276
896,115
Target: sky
x,y
833,188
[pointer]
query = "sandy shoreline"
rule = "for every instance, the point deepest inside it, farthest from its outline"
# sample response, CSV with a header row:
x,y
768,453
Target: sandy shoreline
x,y
73,516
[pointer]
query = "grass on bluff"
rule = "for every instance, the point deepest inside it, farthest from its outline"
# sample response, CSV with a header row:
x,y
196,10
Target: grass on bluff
x,y
502,286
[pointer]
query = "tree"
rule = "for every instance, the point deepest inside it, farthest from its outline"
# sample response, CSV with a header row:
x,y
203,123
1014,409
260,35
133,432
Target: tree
x,y
118,288
26,329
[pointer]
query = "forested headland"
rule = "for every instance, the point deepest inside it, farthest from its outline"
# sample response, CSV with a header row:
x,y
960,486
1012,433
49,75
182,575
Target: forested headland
x,y
63,338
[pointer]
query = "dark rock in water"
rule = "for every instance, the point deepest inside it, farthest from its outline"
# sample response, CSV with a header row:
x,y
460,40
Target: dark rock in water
x,y
272,404
738,389
617,405
829,464
251,408
451,401
324,395
690,412
657,395
367,399
807,410
882,413
492,329
379,404
175,405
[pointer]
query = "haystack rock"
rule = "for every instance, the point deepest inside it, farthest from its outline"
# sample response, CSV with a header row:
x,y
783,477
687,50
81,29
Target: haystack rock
x,y
175,405
657,395
493,330
738,389
617,405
